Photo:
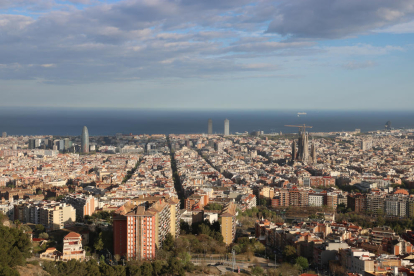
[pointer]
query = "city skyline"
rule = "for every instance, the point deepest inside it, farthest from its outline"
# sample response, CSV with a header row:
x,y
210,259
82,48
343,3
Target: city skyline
x,y
176,54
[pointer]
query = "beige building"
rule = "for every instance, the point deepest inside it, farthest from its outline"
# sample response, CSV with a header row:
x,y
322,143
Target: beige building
x,y
228,223
72,247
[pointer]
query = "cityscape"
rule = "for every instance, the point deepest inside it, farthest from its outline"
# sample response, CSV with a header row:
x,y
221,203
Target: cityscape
x,y
205,137
335,202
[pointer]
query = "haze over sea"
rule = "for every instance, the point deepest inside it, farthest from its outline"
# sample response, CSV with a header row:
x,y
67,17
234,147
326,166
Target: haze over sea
x,y
66,121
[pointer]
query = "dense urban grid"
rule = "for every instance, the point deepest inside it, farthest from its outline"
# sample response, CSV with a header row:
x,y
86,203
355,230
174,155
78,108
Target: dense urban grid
x,y
339,203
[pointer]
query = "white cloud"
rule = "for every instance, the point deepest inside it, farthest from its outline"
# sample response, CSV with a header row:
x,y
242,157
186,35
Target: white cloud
x,y
353,65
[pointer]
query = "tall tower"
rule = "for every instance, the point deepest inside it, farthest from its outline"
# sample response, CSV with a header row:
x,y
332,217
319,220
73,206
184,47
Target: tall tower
x,y
293,150
210,126
226,127
4,135
303,146
313,153
85,140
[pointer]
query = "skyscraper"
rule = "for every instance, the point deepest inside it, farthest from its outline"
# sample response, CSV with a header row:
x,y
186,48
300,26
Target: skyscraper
x,y
85,140
210,126
226,127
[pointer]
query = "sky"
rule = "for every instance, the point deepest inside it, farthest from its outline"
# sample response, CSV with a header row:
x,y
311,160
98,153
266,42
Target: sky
x,y
209,54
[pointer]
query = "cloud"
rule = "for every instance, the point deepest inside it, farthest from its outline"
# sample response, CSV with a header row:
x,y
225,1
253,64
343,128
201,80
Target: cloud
x,y
337,18
362,50
353,65
403,28
156,39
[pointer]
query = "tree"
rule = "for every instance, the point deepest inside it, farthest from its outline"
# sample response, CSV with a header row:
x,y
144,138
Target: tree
x,y
44,235
39,228
257,270
146,269
168,243
99,245
289,252
302,262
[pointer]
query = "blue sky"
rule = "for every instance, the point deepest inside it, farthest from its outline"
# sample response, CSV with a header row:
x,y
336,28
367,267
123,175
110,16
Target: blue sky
x,y
190,54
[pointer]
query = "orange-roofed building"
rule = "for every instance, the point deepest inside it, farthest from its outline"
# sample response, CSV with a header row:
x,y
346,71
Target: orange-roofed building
x,y
401,192
72,247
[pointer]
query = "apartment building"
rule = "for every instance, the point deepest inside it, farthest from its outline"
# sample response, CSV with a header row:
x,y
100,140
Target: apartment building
x,y
52,215
85,205
72,247
141,225
228,223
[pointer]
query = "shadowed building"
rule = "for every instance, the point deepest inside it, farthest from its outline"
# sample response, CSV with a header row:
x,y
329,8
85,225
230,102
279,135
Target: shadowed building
x,y
85,140
226,127
210,126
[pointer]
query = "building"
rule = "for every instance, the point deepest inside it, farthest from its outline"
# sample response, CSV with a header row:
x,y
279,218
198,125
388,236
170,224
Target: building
x,y
303,145
141,225
31,144
366,145
228,223
52,215
4,135
357,202
85,205
72,247
316,200
85,140
226,127
210,126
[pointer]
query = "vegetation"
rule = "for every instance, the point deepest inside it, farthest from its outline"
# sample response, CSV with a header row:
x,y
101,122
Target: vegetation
x,y
97,216
15,247
248,246
214,206
302,262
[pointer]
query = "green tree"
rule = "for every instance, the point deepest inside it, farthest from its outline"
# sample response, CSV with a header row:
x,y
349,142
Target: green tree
x,y
257,270
146,269
99,244
289,252
302,262
168,243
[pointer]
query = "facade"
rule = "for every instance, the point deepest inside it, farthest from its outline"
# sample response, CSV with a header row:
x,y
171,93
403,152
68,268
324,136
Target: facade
x,y
315,200
228,223
210,126
52,215
226,127
84,205
72,247
85,140
140,226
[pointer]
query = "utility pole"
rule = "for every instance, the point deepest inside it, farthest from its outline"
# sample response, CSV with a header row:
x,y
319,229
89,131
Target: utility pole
x,y
234,258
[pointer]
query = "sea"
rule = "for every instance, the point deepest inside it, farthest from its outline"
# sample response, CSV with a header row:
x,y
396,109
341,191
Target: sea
x,y
69,121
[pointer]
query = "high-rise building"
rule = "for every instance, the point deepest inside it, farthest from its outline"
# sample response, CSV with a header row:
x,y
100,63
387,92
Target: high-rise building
x,y
140,226
228,223
210,126
226,127
31,144
388,125
85,140
4,135
67,143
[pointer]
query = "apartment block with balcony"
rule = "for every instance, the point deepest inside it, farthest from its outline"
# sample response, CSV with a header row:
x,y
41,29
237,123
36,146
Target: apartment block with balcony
x,y
72,247
228,223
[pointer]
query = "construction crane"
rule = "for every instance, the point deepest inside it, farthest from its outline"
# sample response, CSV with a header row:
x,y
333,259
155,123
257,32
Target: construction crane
x,y
304,127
